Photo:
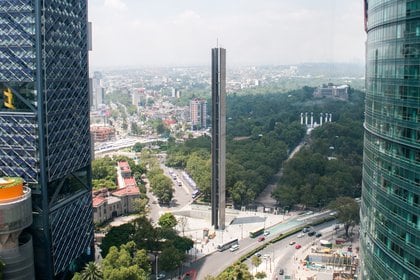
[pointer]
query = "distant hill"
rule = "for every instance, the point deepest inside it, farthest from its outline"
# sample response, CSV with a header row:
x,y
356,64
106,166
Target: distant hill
x,y
332,69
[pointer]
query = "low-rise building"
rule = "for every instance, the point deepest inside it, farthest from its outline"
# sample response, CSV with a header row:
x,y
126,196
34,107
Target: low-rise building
x,y
108,205
332,91
102,133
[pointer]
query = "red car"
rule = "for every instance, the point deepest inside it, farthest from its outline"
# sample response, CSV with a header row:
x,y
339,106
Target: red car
x,y
261,238
298,246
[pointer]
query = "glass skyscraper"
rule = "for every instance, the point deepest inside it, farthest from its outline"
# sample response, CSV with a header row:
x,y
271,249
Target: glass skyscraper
x,y
390,209
44,125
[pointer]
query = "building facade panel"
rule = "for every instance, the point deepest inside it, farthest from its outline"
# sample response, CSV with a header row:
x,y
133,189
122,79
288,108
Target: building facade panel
x,y
44,125
390,208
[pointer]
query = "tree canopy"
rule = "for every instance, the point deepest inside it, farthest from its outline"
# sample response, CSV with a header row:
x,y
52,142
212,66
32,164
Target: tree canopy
x,y
347,211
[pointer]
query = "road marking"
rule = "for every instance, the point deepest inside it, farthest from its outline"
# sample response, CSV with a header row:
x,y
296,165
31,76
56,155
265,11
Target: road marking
x,y
240,250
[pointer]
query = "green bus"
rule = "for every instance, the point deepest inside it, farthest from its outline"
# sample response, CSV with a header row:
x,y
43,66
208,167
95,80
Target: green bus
x,y
256,233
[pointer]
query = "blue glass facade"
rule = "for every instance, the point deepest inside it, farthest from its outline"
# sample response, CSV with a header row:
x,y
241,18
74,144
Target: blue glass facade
x,y
44,124
390,209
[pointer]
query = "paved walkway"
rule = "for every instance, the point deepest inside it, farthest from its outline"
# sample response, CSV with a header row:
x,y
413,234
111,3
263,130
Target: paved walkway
x,y
240,225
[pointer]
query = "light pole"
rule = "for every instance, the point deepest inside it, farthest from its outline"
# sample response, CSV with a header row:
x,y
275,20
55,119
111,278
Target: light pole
x,y
157,259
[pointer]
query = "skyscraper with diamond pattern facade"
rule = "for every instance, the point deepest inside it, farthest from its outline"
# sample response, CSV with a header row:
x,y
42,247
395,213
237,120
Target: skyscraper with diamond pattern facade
x,y
390,208
44,125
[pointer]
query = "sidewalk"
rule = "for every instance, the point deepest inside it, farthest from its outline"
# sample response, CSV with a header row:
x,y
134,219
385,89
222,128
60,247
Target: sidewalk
x,y
298,271
243,223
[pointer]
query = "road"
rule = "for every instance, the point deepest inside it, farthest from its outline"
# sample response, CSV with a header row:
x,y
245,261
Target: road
x,y
215,263
182,194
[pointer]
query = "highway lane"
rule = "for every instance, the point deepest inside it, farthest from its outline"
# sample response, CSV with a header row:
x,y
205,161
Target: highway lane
x,y
215,263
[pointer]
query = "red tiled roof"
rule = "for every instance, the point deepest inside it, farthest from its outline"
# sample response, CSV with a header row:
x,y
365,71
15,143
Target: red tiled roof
x,y
130,190
97,201
130,182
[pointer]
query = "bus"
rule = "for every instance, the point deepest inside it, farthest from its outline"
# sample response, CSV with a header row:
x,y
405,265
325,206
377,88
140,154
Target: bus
x,y
227,245
256,233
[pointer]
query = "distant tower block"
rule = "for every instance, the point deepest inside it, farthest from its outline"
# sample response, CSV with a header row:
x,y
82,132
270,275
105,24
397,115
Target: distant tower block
x,y
330,117
320,118
16,249
326,117
218,138
312,119
301,118
306,118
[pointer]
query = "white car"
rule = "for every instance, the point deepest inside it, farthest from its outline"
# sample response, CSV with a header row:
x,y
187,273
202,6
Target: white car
x,y
267,232
300,235
161,276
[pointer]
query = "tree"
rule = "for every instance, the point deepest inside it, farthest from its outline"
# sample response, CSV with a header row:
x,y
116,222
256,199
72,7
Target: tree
x,y
347,212
135,130
141,206
256,261
167,221
138,147
170,258
238,271
126,262
260,275
161,187
92,271
242,195
104,168
145,235
116,236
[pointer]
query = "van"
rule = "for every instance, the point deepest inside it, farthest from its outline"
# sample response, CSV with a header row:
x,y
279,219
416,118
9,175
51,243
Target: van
x,y
234,248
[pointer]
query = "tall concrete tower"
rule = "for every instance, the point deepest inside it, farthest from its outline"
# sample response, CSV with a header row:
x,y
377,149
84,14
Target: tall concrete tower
x,y
218,139
44,125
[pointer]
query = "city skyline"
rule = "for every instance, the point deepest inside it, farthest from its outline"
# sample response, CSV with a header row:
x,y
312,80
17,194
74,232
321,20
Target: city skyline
x,y
128,33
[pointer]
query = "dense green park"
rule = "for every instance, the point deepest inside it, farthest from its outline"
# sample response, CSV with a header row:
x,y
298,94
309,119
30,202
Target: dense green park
x,y
263,129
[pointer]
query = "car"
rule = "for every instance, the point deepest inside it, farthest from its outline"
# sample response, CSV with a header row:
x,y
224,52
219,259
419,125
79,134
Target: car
x,y
306,229
337,227
266,233
318,234
292,242
300,235
257,254
266,256
311,233
261,238
333,213
234,248
298,246
281,271
161,276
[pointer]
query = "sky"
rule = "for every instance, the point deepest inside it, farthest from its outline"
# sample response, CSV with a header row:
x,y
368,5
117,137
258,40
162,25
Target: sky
x,y
131,33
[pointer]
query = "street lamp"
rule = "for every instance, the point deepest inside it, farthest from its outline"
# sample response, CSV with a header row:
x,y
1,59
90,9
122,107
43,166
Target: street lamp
x,y
157,273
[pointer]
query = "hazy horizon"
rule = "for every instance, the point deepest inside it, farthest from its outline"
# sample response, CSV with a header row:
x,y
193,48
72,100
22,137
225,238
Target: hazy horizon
x,y
132,33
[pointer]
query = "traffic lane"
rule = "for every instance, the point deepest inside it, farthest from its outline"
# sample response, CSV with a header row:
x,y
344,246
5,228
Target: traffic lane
x,y
286,259
283,249
181,196
215,263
